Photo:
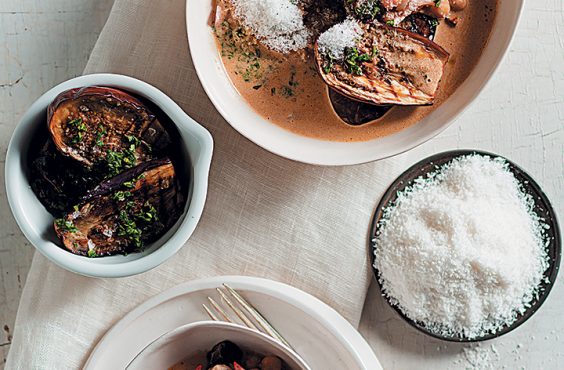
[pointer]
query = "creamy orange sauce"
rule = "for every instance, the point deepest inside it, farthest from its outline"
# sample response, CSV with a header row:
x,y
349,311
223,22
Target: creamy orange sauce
x,y
288,92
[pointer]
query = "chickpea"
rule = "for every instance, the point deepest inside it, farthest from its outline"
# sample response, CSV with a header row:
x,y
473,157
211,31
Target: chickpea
x,y
220,367
252,362
458,5
271,363
440,11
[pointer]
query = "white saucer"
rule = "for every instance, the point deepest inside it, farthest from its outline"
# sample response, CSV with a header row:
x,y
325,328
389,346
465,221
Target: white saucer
x,y
317,332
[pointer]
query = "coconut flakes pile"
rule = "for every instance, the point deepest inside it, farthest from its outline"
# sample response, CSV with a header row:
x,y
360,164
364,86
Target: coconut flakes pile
x,y
278,24
462,250
334,41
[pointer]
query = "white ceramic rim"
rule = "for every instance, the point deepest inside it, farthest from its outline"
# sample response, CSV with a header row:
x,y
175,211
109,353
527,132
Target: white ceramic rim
x,y
15,179
220,324
350,338
242,118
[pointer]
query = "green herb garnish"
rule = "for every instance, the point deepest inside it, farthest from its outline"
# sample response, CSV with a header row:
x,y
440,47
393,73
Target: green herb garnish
x,y
287,91
353,60
328,63
100,134
119,161
128,228
437,3
390,22
92,253
66,225
148,213
133,141
80,127
120,196
292,81
114,161
131,224
367,10
131,183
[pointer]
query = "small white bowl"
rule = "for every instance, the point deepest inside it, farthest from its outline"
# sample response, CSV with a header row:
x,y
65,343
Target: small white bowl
x,y
198,337
235,109
37,223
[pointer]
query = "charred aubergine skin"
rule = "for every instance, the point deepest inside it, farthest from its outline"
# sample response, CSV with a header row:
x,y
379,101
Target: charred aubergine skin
x,y
120,215
59,181
389,66
96,125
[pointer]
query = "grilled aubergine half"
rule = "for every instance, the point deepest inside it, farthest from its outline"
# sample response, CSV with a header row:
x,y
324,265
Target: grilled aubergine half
x,y
100,125
59,181
389,65
120,215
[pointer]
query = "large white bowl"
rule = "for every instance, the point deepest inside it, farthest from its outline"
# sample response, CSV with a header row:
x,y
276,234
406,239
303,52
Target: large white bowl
x,y
241,116
37,224
198,337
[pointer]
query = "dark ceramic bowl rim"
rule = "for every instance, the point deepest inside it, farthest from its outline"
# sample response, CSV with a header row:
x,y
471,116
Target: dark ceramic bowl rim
x,y
554,248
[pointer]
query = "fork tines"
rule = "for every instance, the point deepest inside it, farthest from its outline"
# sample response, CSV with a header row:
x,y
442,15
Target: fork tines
x,y
243,310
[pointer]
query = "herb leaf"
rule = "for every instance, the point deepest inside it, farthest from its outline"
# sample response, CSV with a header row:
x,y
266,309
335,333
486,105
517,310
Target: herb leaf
x,y
79,127
353,60
66,225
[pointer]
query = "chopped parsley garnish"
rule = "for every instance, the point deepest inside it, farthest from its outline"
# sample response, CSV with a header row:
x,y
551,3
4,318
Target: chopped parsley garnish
x,y
66,225
148,213
119,161
353,60
437,3
80,127
366,10
133,141
100,134
292,81
92,253
328,63
114,161
131,223
131,183
128,228
287,91
120,196
390,22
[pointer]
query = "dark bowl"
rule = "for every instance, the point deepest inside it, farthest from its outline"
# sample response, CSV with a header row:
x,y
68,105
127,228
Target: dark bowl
x,y
542,208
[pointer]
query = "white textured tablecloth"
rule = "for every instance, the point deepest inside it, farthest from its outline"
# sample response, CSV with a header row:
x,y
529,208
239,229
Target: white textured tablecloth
x,y
265,216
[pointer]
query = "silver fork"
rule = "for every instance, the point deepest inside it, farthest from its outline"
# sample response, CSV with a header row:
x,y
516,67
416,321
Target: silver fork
x,y
249,315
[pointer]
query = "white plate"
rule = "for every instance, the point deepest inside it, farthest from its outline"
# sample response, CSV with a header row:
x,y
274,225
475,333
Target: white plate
x,y
317,332
244,119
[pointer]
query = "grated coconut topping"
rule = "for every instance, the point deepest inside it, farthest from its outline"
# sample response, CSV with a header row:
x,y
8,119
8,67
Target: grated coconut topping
x,y
462,250
278,24
334,41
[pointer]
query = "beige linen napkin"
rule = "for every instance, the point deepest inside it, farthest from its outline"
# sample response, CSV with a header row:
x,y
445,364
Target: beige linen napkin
x,y
265,216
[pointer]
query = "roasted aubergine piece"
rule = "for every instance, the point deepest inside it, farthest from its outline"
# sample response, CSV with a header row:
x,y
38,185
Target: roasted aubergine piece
x,y
354,112
122,214
59,181
100,125
388,65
